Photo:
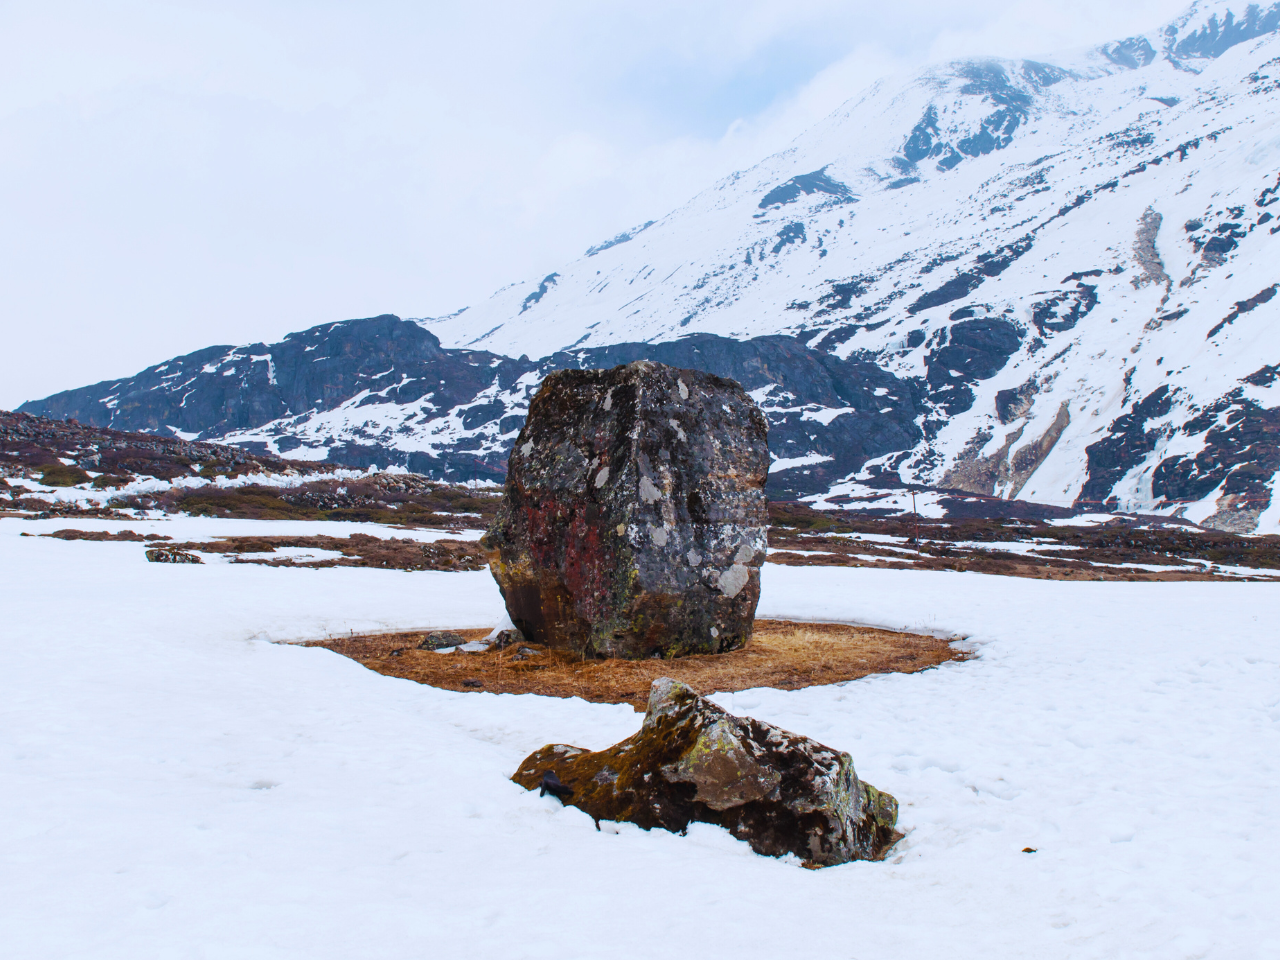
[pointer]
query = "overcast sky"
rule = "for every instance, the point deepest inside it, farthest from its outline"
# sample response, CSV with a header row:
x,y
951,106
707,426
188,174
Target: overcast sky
x,y
175,175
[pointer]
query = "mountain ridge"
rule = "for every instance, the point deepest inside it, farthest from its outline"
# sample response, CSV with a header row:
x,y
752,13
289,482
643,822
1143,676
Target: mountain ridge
x,y
1013,279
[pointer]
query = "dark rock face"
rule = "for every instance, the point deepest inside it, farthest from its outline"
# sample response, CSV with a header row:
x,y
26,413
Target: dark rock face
x,y
973,350
692,761
816,182
634,516
1127,442
1241,453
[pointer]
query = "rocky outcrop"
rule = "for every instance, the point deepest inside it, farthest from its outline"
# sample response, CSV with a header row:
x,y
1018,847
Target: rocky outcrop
x,y
633,521
982,475
170,555
691,761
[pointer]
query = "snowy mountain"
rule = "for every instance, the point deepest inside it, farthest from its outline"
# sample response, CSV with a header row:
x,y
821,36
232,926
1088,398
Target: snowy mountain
x,y
1046,281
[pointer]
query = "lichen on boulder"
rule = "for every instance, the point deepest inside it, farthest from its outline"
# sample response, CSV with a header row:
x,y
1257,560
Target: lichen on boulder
x,y
692,761
634,519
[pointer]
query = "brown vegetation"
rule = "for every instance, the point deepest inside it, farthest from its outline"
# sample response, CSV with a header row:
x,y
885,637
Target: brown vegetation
x,y
393,499
62,475
130,536
358,550
40,445
782,654
801,536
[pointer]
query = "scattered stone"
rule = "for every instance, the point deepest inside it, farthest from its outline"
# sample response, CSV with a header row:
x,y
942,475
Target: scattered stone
x,y
474,646
634,516
65,510
506,638
692,761
439,639
169,555
551,784
472,683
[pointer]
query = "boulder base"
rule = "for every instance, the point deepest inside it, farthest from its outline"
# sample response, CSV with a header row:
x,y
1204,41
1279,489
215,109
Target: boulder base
x,y
780,792
634,517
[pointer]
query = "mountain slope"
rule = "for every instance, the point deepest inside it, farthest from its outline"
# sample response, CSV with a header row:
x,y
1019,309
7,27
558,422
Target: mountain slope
x,y
1051,281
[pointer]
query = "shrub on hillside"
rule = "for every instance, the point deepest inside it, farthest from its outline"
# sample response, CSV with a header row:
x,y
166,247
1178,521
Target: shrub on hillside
x,y
62,475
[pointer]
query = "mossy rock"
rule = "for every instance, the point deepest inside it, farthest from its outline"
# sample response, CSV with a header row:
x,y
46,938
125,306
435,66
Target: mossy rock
x,y
692,761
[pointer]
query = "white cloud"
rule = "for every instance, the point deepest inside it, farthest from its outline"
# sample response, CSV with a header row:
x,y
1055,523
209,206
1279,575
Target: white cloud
x,y
179,174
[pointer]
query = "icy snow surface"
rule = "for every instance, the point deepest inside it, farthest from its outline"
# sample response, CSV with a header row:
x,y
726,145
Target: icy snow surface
x,y
183,528
176,786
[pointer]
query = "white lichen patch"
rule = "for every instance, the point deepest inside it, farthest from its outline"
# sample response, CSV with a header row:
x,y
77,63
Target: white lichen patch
x,y
733,580
648,492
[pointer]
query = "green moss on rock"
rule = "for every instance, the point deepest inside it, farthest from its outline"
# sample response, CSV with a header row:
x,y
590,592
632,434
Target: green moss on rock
x,y
692,761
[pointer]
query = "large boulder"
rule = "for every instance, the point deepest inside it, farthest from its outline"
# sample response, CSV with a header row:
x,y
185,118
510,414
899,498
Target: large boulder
x,y
634,518
780,792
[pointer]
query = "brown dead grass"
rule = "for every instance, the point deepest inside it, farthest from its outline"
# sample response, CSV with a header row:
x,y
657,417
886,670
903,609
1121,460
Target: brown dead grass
x,y
358,550
1035,568
782,654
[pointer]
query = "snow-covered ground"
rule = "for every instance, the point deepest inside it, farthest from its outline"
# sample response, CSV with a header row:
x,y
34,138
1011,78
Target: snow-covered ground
x,y
181,527
175,786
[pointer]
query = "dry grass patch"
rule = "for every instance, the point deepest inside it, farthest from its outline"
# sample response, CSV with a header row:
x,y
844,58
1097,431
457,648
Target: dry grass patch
x,y
782,654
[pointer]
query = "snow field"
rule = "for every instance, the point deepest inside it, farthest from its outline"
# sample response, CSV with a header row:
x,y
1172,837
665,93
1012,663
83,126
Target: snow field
x,y
177,787
200,529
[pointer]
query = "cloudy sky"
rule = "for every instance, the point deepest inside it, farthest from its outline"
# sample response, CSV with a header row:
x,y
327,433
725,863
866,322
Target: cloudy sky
x,y
180,174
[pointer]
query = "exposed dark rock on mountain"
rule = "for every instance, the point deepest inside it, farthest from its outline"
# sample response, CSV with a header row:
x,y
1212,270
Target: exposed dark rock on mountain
x,y
1016,402
633,522
691,761
1217,37
625,237
816,182
1126,442
1241,454
969,350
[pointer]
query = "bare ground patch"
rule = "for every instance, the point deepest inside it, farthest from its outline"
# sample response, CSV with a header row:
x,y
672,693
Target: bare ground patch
x,y
782,654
